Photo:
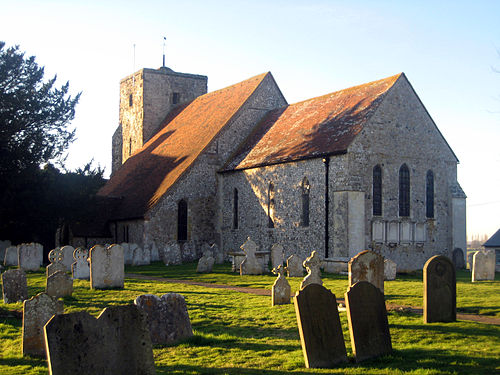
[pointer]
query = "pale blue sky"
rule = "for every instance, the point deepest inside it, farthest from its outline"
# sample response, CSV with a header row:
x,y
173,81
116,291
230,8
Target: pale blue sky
x,y
446,48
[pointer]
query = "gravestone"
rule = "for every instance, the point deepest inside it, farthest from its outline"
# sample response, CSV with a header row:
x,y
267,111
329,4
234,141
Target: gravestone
x,y
168,317
368,324
155,255
141,257
68,256
117,342
470,257
80,268
217,254
458,258
206,262
11,258
281,288
312,265
440,291
294,266
319,326
276,255
56,257
250,265
188,251
106,267
30,256
59,284
14,286
36,313
367,266
390,269
3,246
128,252
483,265
172,254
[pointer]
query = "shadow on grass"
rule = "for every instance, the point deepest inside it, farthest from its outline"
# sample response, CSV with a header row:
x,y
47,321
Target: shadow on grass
x,y
451,328
480,310
23,361
186,369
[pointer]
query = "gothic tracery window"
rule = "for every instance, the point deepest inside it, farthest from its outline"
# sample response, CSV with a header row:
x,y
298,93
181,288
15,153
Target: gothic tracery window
x,y
377,191
304,222
404,191
429,195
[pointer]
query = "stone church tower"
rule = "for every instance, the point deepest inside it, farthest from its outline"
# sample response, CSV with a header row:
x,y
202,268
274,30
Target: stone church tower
x,y
146,97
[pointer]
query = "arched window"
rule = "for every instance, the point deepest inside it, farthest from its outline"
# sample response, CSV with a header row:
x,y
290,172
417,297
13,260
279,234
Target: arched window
x,y
235,208
304,219
130,146
130,100
377,191
182,220
270,205
429,195
404,191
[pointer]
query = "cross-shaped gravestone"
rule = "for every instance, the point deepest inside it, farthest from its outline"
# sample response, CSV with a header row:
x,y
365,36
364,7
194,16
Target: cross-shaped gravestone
x,y
56,257
80,269
312,265
250,265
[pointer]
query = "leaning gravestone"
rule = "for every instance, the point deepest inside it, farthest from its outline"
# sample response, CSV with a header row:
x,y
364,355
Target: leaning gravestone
x,y
320,331
59,284
36,313
80,269
367,266
11,257
14,286
106,267
68,256
294,266
458,258
168,317
312,265
281,288
55,258
390,269
206,262
483,265
440,291
117,342
368,324
30,256
141,256
250,265
276,255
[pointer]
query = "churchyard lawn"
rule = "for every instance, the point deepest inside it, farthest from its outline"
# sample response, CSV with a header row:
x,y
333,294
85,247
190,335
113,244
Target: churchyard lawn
x,y
240,333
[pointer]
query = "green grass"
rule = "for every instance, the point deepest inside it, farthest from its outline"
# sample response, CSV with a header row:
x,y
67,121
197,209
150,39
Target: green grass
x,y
238,333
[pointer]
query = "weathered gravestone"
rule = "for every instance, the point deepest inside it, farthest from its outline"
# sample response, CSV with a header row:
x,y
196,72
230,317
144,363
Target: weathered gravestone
x,y
250,265
319,325
36,313
367,266
172,254
390,269
154,253
168,317
3,246
59,284
14,286
117,342
141,257
312,265
188,251
281,289
470,257
206,262
217,254
56,257
440,291
368,324
30,256
483,265
276,255
458,258
68,256
294,266
106,267
11,257
128,252
80,269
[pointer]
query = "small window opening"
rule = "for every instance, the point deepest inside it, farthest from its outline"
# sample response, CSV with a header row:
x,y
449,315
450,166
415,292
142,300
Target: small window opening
x,y
377,191
176,97
304,222
429,195
130,100
235,209
404,191
182,220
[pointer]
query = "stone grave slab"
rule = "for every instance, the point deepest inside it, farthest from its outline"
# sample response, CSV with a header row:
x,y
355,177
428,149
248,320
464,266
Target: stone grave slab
x,y
294,266
128,253
277,255
80,268
206,262
368,324
319,326
390,269
11,258
141,257
106,267
440,291
250,265
483,265
36,313
367,266
188,251
30,256
168,317
217,254
68,256
154,253
117,342
281,290
3,246
172,254
458,258
59,284
14,286
313,266
56,257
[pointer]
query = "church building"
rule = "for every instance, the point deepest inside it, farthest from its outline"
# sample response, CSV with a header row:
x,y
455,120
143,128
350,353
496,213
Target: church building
x,y
361,168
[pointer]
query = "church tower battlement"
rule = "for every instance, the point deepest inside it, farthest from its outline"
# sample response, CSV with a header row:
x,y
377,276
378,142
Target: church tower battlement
x,y
146,97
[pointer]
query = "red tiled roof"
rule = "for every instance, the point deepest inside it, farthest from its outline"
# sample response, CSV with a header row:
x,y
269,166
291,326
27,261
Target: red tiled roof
x,y
312,128
148,174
